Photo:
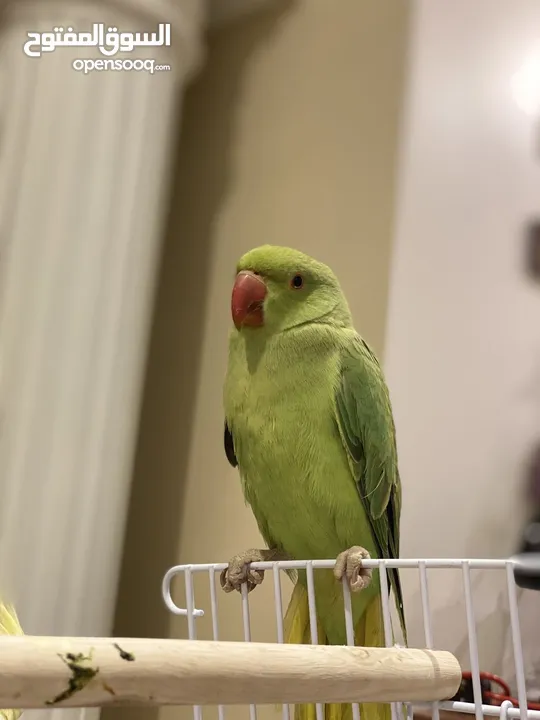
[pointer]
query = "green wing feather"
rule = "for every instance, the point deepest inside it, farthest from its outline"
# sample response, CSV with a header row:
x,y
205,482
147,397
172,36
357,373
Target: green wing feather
x,y
366,424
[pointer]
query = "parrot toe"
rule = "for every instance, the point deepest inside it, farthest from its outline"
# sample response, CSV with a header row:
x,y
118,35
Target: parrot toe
x,y
239,572
349,564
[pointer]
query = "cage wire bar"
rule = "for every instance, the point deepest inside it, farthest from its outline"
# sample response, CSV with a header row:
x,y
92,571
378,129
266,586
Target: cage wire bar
x,y
506,711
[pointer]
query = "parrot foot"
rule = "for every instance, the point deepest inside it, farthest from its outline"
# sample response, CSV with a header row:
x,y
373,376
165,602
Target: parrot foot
x,y
349,564
239,571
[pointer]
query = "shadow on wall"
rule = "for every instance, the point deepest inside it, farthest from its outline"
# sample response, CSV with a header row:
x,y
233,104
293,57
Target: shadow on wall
x,y
200,184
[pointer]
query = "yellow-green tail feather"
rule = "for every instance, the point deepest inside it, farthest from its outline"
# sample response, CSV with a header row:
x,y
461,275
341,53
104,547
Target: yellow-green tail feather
x,y
9,625
368,632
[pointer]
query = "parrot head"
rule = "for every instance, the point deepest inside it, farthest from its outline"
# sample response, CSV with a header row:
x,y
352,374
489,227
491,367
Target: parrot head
x,y
278,288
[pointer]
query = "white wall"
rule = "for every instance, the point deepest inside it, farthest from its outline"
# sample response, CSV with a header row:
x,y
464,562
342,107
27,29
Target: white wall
x,y
463,335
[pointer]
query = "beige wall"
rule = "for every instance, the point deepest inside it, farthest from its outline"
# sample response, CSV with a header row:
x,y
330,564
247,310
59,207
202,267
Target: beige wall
x,y
289,137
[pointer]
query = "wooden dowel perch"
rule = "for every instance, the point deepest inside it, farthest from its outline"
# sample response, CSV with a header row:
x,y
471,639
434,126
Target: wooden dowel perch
x,y
41,672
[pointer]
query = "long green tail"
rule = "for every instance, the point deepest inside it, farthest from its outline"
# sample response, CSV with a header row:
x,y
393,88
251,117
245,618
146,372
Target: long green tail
x,y
369,632
9,625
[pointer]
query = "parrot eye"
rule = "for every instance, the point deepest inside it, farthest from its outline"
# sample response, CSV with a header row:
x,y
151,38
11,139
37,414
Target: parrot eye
x,y
297,282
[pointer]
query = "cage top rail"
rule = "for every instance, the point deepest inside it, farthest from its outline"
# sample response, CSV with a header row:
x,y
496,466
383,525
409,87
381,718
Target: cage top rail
x,y
431,563
421,564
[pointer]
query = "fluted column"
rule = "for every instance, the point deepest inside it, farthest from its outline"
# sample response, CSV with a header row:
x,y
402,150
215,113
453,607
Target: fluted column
x,y
83,178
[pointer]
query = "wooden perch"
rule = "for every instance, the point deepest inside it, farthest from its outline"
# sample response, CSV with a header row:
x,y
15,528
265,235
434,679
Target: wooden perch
x,y
41,672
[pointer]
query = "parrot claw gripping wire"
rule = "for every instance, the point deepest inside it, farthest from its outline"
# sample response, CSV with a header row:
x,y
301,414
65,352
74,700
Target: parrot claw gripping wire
x,y
239,572
349,564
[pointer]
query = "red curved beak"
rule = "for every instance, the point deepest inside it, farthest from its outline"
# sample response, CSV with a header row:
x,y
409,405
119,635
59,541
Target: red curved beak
x,y
247,300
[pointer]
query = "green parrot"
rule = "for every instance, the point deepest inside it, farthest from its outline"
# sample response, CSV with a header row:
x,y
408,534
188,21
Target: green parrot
x,y
308,423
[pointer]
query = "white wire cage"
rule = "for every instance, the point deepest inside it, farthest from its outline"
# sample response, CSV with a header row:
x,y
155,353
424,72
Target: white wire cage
x,y
482,704
250,674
